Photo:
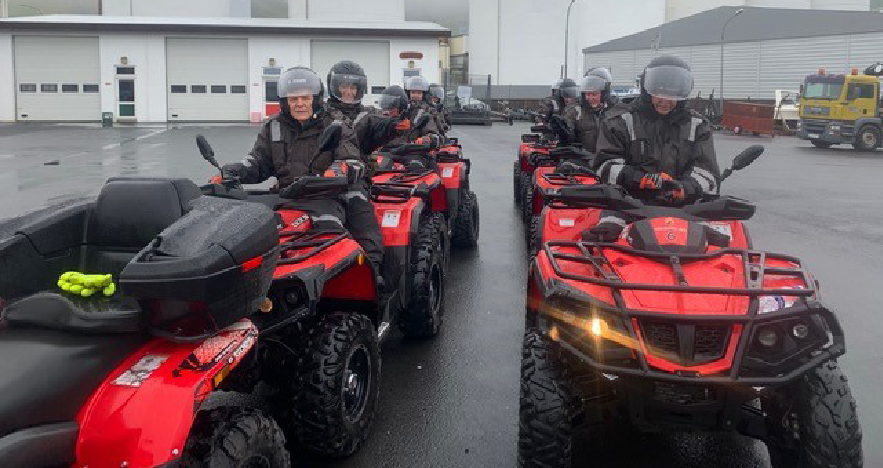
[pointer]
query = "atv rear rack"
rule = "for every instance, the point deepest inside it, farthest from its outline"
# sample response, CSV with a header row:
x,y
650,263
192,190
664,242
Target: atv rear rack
x,y
399,192
312,240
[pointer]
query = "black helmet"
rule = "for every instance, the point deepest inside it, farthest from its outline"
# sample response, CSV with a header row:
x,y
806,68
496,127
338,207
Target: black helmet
x,y
394,97
348,72
299,80
596,80
667,77
436,91
417,83
568,89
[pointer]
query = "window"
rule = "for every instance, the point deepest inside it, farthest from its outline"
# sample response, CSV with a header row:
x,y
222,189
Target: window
x,y
219,89
48,88
125,70
179,89
270,91
90,88
377,89
269,9
198,89
27,87
272,71
70,88
237,89
822,89
859,91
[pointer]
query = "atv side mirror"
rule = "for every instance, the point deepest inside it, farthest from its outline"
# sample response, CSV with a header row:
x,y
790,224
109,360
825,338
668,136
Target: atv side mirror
x,y
331,137
747,156
206,150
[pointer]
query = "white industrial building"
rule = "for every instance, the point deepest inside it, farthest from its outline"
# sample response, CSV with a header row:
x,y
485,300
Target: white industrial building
x,y
765,49
146,67
521,42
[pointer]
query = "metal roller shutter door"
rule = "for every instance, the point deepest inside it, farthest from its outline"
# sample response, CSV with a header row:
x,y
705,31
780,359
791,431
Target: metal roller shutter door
x,y
207,79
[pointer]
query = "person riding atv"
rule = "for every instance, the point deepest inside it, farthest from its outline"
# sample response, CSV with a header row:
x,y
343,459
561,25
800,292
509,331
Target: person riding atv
x,y
583,125
347,84
437,100
285,148
395,103
656,148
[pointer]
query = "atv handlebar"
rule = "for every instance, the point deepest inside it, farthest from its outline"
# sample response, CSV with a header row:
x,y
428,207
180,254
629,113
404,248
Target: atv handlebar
x,y
314,186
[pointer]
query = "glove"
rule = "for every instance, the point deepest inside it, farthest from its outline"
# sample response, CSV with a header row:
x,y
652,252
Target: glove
x,y
216,179
603,232
232,171
653,181
352,169
673,191
430,141
403,125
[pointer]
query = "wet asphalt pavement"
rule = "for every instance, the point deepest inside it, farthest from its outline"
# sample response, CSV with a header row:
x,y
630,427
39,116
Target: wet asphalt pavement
x,y
453,401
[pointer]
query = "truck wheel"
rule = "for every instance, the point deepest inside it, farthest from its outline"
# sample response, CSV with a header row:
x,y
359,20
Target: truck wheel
x,y
423,314
820,144
467,224
230,437
516,182
867,139
545,428
819,428
337,384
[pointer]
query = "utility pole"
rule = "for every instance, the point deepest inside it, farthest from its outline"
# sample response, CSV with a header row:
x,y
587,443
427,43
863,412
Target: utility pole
x,y
567,37
723,31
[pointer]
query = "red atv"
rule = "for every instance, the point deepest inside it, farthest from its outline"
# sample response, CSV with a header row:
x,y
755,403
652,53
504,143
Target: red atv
x,y
119,379
461,204
322,347
539,142
681,325
547,181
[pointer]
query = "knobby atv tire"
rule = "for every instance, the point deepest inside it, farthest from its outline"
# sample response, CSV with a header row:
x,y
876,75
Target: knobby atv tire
x,y
234,437
516,182
536,235
545,416
830,435
466,226
319,419
423,314
442,238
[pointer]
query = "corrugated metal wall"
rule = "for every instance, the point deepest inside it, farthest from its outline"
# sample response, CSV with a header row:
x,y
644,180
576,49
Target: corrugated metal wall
x,y
754,69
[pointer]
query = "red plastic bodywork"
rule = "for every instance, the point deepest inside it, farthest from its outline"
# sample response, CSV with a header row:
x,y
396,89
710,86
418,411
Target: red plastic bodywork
x,y
725,271
543,185
144,425
451,174
394,217
524,155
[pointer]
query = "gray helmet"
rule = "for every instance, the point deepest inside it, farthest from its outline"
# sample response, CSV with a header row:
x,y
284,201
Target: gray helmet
x,y
299,80
667,77
596,80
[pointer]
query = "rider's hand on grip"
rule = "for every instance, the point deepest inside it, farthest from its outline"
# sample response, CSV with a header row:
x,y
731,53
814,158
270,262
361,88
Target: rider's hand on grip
x,y
673,191
216,179
352,169
654,181
404,125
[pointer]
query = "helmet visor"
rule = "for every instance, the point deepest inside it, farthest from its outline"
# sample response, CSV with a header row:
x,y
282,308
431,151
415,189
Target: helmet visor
x,y
388,102
416,83
298,82
668,82
437,92
347,88
569,92
593,84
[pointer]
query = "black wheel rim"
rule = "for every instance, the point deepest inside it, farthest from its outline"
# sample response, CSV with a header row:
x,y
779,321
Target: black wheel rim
x,y
356,383
257,461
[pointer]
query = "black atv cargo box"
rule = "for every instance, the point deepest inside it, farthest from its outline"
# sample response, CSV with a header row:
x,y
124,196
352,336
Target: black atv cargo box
x,y
207,270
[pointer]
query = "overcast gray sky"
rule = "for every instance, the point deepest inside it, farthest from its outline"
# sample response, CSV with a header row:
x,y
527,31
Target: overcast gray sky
x,y
453,14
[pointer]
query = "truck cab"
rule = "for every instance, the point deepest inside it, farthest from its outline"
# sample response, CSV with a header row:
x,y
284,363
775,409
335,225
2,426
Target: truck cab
x,y
841,109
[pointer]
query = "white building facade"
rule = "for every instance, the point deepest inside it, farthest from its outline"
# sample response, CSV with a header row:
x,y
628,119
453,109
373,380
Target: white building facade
x,y
144,67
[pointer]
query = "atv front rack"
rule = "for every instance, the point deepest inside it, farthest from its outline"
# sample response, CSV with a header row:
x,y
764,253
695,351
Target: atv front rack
x,y
312,240
829,340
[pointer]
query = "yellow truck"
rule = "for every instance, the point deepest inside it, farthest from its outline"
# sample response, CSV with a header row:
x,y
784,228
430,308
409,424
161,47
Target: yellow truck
x,y
842,109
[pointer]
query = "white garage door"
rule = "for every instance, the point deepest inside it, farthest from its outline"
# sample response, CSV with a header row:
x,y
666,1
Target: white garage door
x,y
207,79
57,78
373,56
